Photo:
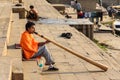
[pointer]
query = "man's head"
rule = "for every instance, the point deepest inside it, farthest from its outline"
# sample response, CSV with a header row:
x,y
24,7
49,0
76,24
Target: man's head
x,y
76,1
31,6
30,27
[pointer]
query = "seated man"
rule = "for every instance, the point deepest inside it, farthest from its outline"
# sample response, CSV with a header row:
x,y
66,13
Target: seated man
x,y
32,14
80,14
34,49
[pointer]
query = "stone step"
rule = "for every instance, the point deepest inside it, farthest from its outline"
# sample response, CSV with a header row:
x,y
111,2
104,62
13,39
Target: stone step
x,y
30,68
5,61
6,10
15,16
15,54
5,68
5,18
17,66
103,31
17,28
31,71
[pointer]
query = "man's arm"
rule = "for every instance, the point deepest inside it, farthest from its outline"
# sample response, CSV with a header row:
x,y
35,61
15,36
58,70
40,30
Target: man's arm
x,y
43,43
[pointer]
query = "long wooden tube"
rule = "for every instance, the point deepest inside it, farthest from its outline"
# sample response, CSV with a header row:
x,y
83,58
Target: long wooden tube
x,y
101,66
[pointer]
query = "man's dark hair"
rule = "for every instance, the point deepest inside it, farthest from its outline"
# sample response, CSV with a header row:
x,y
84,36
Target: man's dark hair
x,y
78,10
76,1
31,6
29,25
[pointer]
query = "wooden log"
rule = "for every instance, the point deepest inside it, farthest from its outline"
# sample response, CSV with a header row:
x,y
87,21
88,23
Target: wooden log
x,y
74,53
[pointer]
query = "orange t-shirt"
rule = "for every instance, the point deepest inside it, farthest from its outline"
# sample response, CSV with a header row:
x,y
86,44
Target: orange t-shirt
x,y
28,44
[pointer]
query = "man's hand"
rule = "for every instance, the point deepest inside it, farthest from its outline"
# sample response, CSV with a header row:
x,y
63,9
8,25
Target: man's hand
x,y
47,42
43,43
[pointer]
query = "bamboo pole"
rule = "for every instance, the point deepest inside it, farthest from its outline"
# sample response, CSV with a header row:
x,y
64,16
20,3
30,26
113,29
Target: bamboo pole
x,y
101,66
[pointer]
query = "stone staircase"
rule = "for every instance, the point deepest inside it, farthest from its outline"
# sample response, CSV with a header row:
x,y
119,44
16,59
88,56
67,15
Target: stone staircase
x,y
5,68
5,21
11,64
21,70
71,68
15,54
5,25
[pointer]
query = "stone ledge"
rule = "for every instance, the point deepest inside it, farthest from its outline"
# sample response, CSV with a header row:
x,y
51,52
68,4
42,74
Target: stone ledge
x,y
5,24
17,66
5,68
3,35
15,54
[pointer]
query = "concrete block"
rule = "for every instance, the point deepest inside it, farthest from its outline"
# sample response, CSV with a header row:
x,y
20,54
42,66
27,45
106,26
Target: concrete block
x,y
20,10
17,66
31,71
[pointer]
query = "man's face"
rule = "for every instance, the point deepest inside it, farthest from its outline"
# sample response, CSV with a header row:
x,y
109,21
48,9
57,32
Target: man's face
x,y
31,30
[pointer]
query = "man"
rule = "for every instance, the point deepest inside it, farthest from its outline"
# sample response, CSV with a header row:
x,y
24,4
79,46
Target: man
x,y
32,14
80,14
77,6
109,9
33,49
